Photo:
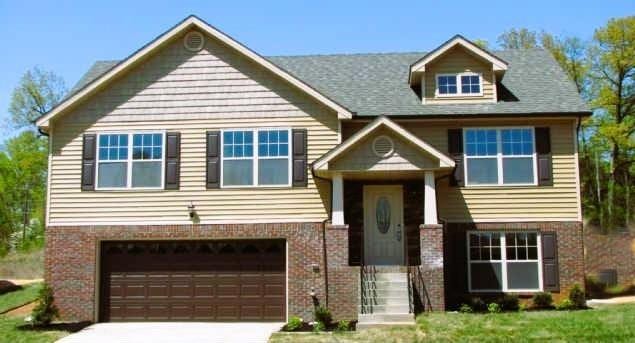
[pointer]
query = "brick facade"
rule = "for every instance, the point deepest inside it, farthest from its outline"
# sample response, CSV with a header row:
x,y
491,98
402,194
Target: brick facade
x,y
570,254
343,280
611,251
432,264
72,257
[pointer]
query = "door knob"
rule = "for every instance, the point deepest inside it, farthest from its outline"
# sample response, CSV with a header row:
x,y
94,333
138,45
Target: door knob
x,y
398,233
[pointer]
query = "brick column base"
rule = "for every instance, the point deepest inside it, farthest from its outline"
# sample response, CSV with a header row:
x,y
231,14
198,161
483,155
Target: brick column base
x,y
343,280
432,264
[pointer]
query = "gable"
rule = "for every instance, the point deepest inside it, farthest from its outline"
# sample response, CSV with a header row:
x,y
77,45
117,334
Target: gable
x,y
362,157
170,37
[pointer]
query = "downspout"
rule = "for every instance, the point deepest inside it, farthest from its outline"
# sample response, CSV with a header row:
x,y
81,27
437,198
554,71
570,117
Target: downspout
x,y
324,254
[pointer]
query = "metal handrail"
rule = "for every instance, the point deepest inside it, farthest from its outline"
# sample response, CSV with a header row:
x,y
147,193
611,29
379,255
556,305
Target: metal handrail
x,y
418,284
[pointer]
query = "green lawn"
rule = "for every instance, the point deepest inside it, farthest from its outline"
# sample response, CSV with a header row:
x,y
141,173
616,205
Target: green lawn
x,y
20,297
611,324
14,330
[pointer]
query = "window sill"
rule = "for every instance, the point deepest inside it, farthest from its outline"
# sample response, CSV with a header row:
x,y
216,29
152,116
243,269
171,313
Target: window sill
x,y
130,190
500,186
446,96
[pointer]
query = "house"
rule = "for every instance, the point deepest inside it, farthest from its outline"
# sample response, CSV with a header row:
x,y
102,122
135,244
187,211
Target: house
x,y
198,180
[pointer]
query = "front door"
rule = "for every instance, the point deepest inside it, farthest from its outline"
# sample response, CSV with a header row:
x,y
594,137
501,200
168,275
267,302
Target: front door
x,y
383,225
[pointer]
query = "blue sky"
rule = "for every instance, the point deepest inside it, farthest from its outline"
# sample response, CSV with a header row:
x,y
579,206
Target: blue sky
x,y
66,37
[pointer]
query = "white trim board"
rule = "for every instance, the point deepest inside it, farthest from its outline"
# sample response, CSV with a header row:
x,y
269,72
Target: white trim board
x,y
191,22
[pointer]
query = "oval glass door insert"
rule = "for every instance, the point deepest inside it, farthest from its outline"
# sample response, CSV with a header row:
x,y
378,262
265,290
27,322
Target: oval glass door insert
x,y
383,214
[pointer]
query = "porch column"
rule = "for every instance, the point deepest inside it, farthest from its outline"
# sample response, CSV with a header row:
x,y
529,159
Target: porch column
x,y
430,200
337,203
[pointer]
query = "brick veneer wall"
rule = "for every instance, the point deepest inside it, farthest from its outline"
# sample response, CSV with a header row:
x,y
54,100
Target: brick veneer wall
x,y
343,280
570,254
611,251
432,264
71,260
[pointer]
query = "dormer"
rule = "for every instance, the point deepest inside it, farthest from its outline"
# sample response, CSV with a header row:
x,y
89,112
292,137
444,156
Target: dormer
x,y
457,72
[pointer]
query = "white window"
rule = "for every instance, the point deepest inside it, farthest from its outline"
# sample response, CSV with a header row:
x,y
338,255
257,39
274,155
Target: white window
x,y
463,84
500,156
504,261
130,160
268,164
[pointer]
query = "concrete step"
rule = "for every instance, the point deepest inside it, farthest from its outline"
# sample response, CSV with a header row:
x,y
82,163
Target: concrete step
x,y
386,269
386,309
379,319
387,277
388,300
386,284
386,293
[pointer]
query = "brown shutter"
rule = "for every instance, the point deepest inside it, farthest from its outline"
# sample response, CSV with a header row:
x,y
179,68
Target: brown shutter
x,y
543,151
550,276
455,149
213,159
89,152
172,159
299,158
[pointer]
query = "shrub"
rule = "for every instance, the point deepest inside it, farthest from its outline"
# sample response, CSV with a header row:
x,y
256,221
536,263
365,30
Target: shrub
x,y
576,295
542,300
319,327
522,307
465,308
509,302
295,323
343,325
565,305
322,314
45,311
478,305
493,308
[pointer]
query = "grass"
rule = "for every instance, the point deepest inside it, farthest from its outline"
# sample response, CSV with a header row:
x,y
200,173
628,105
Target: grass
x,y
22,265
13,329
20,297
610,324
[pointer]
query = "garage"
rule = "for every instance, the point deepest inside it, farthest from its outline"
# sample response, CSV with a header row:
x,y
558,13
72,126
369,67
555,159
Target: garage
x,y
237,280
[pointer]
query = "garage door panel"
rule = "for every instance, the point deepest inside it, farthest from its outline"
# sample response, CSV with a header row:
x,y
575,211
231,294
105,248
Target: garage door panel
x,y
193,280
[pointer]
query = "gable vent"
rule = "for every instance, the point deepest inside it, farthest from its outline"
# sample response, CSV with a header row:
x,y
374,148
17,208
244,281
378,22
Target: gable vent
x,y
383,146
194,41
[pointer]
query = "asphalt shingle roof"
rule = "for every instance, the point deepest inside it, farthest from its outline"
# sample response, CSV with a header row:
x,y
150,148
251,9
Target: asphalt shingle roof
x,y
375,84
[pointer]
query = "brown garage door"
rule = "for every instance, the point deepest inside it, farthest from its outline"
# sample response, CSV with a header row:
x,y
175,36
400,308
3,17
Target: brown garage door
x,y
193,280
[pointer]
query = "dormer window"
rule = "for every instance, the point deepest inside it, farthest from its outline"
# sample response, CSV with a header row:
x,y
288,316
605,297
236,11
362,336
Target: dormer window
x,y
462,84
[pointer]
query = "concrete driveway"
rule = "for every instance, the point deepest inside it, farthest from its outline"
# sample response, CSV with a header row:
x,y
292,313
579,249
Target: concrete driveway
x,y
174,332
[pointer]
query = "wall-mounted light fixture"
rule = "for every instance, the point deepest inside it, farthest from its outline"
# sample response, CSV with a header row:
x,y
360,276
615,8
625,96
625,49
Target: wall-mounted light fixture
x,y
192,210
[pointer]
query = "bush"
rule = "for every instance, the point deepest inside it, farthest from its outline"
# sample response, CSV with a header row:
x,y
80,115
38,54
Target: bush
x,y
323,315
465,308
509,302
295,323
576,295
493,308
45,311
478,305
565,305
319,327
542,300
522,307
343,325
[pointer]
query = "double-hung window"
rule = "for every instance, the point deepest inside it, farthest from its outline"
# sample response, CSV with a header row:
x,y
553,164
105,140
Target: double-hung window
x,y
130,160
256,157
504,156
504,261
463,84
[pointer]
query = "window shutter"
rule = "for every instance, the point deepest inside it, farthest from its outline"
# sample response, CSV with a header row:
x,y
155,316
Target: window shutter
x,y
543,152
299,158
550,275
172,160
213,160
455,149
89,152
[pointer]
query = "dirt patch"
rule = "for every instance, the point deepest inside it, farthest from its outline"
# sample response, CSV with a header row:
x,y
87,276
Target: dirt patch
x,y
22,311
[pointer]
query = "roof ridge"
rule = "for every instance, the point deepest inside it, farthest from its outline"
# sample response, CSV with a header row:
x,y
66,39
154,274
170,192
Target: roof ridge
x,y
352,54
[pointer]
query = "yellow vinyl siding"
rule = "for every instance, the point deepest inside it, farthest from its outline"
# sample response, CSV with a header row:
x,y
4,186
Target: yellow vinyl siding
x,y
176,90
458,60
499,202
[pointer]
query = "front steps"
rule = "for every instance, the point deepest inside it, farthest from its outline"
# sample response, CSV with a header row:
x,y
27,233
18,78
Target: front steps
x,y
386,297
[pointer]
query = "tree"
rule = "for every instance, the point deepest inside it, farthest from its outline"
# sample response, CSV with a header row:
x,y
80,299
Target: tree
x,y
518,39
613,78
571,55
38,92
481,43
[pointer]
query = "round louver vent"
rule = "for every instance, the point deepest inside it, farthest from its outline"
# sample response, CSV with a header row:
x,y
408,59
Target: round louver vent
x,y
194,41
383,146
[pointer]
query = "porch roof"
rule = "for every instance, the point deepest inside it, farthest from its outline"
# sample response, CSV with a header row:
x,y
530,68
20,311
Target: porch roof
x,y
426,156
